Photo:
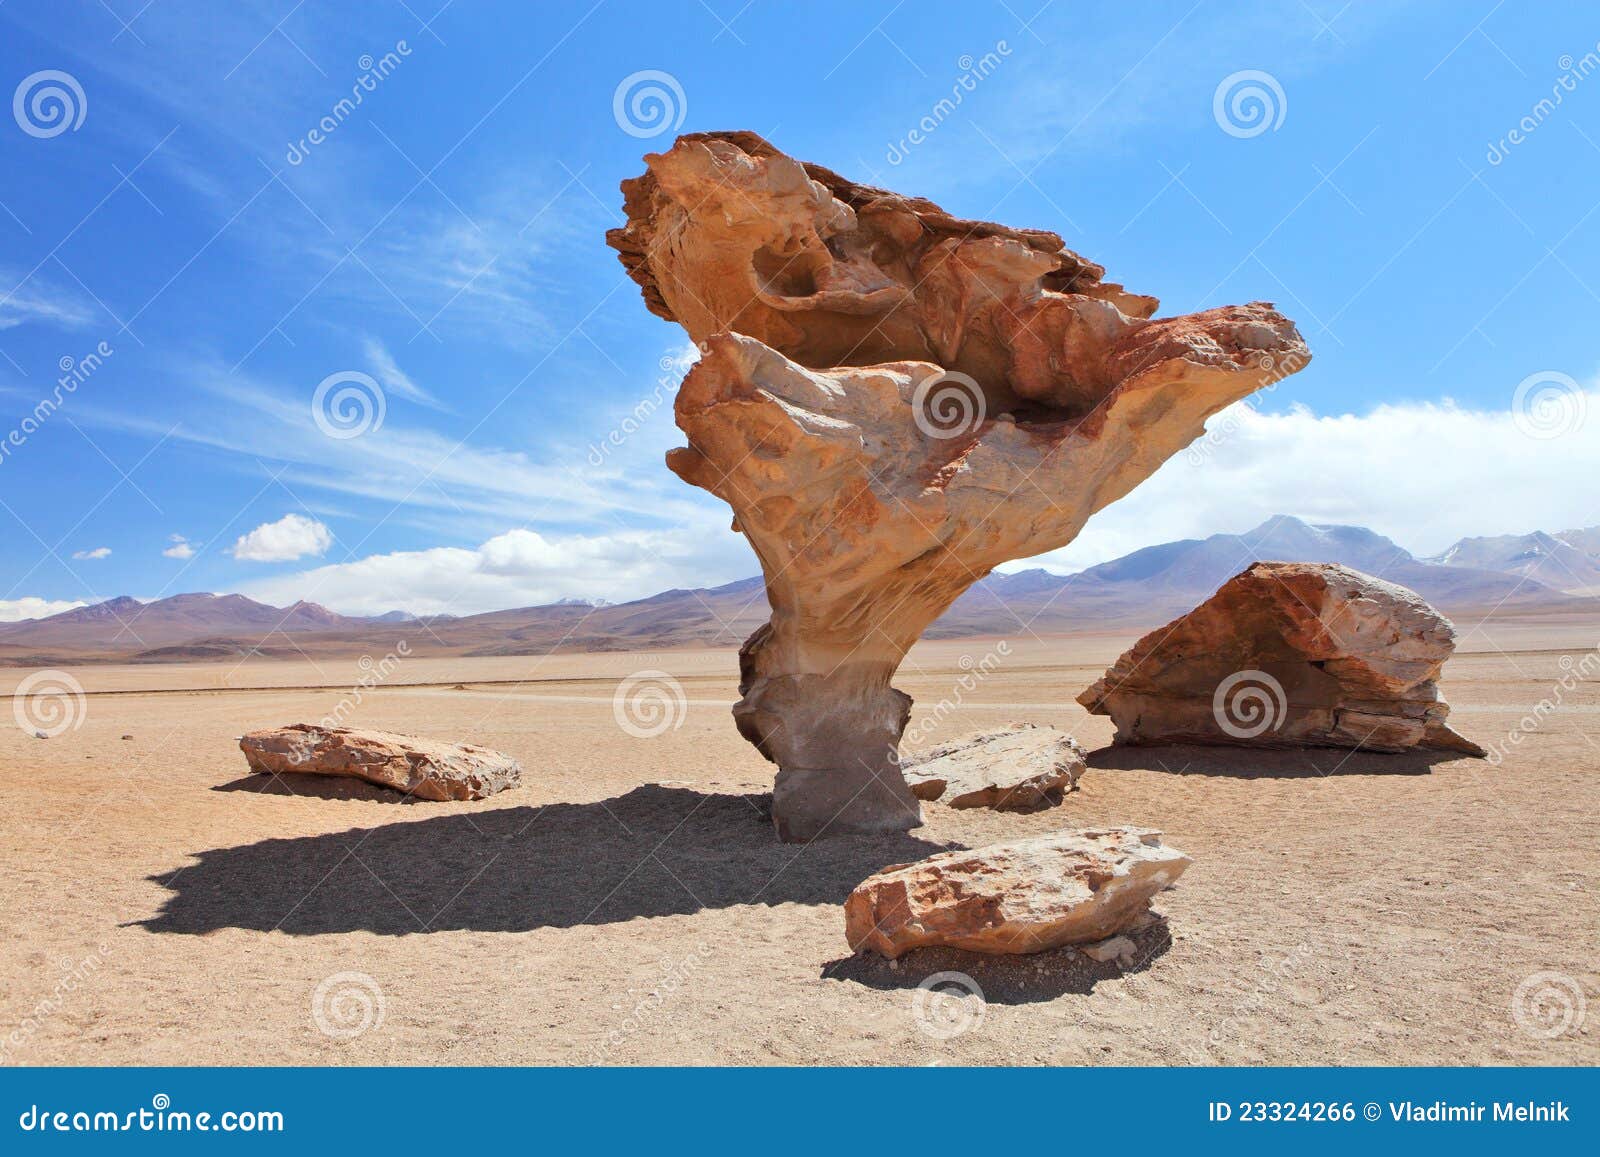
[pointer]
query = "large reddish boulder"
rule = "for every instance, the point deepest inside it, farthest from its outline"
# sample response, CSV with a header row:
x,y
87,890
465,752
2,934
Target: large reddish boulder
x,y
1289,654
1018,897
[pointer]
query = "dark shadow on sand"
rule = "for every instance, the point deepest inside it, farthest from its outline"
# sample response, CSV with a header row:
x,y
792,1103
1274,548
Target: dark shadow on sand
x,y
1041,976
318,787
656,851
1266,763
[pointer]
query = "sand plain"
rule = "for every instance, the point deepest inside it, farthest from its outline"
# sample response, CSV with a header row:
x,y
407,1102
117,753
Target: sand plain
x,y
628,904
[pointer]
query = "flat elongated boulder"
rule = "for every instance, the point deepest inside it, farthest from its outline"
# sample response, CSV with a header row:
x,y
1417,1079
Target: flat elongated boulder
x,y
1289,654
1017,768
1073,887
894,401
425,768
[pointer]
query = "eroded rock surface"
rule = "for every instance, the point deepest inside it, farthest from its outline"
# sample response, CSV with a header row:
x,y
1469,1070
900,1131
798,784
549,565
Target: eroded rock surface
x,y
1017,768
424,768
1011,898
895,401
1285,655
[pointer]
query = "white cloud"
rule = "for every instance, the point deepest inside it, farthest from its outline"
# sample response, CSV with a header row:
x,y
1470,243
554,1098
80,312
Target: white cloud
x,y
518,568
25,298
97,553
292,536
1423,473
29,607
393,377
180,548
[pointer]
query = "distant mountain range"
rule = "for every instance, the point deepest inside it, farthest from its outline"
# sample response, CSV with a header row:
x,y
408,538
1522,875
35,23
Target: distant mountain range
x,y
1135,592
1568,561
124,622
1151,586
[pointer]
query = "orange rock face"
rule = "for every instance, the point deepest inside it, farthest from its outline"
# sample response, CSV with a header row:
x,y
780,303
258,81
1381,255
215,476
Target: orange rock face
x,y
1285,655
1015,768
1018,897
895,401
424,768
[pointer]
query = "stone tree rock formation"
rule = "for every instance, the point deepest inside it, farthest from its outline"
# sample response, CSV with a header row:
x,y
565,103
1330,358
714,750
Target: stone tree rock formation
x,y
1289,654
894,401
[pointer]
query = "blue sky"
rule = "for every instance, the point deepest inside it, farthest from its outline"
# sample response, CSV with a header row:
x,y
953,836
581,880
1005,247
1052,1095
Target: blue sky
x,y
446,239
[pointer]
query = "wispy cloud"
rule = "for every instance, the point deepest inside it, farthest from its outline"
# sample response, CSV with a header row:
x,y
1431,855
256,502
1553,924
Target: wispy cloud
x,y
98,552
491,262
25,298
393,377
467,485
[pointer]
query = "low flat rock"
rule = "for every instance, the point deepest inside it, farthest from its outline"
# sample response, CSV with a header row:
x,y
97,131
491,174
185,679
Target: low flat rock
x,y
1020,767
1074,887
1117,948
424,768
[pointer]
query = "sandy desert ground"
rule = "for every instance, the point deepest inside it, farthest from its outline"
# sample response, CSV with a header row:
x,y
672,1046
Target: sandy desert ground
x,y
628,904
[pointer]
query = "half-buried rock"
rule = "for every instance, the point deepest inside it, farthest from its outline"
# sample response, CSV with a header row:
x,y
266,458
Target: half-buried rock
x,y
1289,654
1012,898
424,768
1017,768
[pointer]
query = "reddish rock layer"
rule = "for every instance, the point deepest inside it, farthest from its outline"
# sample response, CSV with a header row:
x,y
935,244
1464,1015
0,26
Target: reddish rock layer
x,y
1289,654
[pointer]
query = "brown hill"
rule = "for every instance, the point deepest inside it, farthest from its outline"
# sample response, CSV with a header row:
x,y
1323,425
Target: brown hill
x,y
125,624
